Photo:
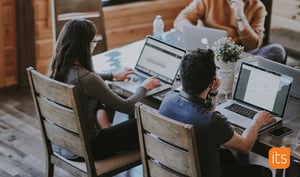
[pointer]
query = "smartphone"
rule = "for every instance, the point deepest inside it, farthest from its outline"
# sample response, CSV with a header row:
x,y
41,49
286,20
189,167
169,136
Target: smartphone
x,y
280,132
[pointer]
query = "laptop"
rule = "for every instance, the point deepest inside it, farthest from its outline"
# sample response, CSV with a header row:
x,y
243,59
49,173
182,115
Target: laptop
x,y
257,89
285,69
200,37
158,59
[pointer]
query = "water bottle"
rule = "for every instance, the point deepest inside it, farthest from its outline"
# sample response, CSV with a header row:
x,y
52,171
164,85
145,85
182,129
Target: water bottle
x,y
158,27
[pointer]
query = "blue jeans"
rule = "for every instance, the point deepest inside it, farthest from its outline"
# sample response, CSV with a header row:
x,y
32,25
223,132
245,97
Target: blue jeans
x,y
275,52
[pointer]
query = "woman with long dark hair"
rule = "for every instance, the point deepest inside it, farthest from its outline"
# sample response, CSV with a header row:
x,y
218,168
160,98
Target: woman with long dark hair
x,y
72,64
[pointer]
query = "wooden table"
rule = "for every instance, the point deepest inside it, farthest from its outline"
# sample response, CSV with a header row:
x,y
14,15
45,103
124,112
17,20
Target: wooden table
x,y
126,56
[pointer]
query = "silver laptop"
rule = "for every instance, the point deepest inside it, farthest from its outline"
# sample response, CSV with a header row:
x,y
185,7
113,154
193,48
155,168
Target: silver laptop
x,y
284,69
257,89
158,59
200,37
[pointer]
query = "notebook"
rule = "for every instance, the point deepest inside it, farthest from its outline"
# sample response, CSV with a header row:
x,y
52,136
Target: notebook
x,y
257,89
200,37
284,69
158,59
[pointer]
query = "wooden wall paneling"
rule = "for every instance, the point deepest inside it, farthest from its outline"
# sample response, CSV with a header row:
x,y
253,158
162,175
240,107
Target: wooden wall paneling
x,y
42,64
43,34
25,38
133,21
43,19
8,38
124,35
11,71
2,61
44,48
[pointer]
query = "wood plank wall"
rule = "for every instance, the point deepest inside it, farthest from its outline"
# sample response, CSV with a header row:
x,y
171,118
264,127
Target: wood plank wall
x,y
43,34
2,61
133,22
8,56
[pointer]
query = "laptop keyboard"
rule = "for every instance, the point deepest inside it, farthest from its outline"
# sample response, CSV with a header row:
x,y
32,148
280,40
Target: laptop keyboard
x,y
137,79
241,110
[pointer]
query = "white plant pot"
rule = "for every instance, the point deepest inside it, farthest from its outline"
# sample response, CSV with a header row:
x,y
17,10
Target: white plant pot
x,y
226,73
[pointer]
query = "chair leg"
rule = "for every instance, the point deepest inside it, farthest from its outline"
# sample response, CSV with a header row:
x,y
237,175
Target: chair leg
x,y
49,169
279,173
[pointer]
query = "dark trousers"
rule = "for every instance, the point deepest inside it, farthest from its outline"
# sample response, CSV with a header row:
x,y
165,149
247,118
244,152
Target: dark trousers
x,y
115,139
275,52
233,168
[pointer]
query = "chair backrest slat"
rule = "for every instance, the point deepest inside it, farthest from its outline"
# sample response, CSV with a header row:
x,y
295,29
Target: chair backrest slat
x,y
168,147
156,169
60,115
64,138
175,157
58,94
160,126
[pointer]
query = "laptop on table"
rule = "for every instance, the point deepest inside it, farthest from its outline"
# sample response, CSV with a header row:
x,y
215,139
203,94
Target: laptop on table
x,y
257,89
200,37
284,69
158,59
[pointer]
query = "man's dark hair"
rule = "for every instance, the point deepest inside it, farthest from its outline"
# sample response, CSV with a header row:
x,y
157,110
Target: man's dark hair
x,y
197,70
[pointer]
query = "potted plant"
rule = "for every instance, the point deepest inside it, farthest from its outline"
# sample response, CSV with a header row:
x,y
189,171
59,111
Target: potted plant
x,y
227,53
226,50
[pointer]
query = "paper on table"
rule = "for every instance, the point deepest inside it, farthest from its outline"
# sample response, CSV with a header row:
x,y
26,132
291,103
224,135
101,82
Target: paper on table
x,y
118,59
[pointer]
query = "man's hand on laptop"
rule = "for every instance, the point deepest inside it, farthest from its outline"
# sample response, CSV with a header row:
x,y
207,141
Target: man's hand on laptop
x,y
151,83
123,75
263,117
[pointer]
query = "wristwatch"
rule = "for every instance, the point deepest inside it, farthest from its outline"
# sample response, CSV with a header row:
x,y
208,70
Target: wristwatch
x,y
213,93
242,18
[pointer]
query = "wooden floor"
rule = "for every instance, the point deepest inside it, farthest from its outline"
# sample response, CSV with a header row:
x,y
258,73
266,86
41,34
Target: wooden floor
x,y
21,148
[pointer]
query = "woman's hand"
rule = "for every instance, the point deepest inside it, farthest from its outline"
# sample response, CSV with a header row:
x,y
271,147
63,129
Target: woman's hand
x,y
150,83
123,75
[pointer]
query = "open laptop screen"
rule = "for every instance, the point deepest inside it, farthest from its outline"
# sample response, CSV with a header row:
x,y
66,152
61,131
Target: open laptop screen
x,y
160,60
263,88
284,69
200,36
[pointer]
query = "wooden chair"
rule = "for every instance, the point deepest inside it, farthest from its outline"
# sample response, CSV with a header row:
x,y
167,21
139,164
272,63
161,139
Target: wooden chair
x,y
64,10
62,123
168,147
